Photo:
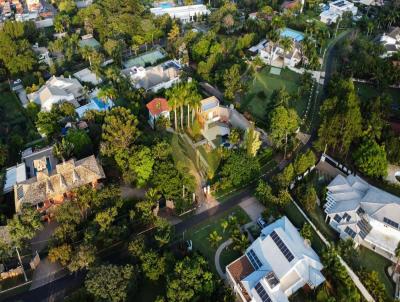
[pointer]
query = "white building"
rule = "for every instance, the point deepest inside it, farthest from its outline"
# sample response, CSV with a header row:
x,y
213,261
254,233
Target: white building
x,y
275,266
57,90
14,175
364,213
336,11
88,76
274,54
154,78
184,13
158,107
391,42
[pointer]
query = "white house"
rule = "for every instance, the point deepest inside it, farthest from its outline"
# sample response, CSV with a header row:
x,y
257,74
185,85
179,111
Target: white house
x,y
184,13
391,42
154,78
336,10
57,90
275,266
14,175
364,213
88,76
274,54
158,107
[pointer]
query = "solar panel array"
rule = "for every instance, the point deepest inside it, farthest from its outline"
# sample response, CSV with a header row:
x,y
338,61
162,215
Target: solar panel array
x,y
337,218
350,232
360,211
282,246
262,293
365,228
339,3
346,217
254,259
390,222
272,279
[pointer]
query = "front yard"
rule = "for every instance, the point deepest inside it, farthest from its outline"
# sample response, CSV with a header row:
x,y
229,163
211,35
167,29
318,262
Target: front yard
x,y
199,236
264,83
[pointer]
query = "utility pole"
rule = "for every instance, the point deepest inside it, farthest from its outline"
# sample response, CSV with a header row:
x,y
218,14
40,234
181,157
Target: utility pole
x,y
22,266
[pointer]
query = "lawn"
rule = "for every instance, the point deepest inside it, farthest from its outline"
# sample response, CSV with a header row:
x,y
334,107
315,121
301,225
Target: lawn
x,y
199,234
16,128
374,262
262,86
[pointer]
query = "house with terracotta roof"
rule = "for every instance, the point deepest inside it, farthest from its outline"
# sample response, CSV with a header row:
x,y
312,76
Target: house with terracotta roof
x,y
158,107
275,265
48,189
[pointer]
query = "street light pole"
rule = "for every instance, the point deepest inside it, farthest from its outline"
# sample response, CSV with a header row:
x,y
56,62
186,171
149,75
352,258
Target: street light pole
x,y
22,266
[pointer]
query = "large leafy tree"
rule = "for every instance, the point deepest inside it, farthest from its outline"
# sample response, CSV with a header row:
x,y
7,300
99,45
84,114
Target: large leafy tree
x,y
238,170
24,225
304,161
119,131
232,82
153,265
190,279
252,141
110,282
82,144
283,123
15,51
82,258
341,121
370,158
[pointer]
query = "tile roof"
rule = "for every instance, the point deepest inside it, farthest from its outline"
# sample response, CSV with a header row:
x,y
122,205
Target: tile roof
x,y
157,106
64,178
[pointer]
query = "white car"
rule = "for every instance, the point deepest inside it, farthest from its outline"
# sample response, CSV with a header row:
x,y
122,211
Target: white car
x,y
261,222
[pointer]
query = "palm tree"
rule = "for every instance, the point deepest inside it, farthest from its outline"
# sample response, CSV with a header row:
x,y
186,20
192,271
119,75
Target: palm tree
x,y
172,103
273,37
224,225
214,238
63,150
370,28
152,195
107,92
287,45
397,254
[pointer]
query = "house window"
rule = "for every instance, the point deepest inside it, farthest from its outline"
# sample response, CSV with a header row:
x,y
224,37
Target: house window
x,y
390,222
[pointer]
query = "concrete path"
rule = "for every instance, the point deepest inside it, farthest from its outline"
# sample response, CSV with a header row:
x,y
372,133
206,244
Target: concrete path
x,y
41,240
46,272
218,256
364,292
252,207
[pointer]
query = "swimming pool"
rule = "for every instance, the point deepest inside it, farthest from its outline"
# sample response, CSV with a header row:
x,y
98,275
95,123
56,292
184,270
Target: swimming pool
x,y
166,5
291,33
102,105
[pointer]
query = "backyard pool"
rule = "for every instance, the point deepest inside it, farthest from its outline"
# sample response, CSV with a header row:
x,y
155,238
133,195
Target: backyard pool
x,y
166,5
291,33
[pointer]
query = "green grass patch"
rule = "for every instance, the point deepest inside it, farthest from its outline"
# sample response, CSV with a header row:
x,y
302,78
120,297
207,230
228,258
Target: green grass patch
x,y
298,221
212,157
367,91
199,234
374,262
262,86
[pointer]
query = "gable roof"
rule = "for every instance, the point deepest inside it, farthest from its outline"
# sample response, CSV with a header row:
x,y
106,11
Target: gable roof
x,y
157,106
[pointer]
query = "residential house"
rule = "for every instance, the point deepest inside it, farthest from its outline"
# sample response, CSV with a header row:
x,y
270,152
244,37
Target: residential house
x,y
157,107
33,5
13,175
292,5
275,265
87,76
391,42
367,215
48,189
57,90
43,54
185,14
29,156
153,79
216,121
336,9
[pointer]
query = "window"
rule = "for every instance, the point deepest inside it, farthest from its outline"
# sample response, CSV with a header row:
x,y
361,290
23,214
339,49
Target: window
x,y
262,293
350,232
272,279
337,218
254,259
390,222
282,246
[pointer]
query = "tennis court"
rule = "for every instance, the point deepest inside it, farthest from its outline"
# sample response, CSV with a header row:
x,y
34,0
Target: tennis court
x,y
275,71
150,57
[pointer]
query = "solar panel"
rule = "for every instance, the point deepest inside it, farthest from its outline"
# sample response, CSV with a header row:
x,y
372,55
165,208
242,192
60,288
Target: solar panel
x,y
346,217
337,218
282,246
255,261
360,211
350,232
390,222
262,293
365,228
272,279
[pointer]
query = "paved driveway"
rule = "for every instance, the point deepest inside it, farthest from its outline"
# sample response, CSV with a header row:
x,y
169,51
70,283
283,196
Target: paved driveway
x,y
252,207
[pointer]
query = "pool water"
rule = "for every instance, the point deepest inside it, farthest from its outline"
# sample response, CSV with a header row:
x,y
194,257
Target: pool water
x,y
294,34
100,103
166,5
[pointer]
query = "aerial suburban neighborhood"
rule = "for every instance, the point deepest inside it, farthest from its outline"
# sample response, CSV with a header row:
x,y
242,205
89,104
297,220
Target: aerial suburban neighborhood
x,y
196,151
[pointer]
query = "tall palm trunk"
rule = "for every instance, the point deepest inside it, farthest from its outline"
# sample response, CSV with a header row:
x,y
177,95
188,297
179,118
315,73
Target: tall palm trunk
x,y
176,119
181,116
188,115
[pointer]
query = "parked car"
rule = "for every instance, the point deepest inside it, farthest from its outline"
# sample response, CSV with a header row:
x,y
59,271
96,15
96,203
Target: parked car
x,y
261,223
